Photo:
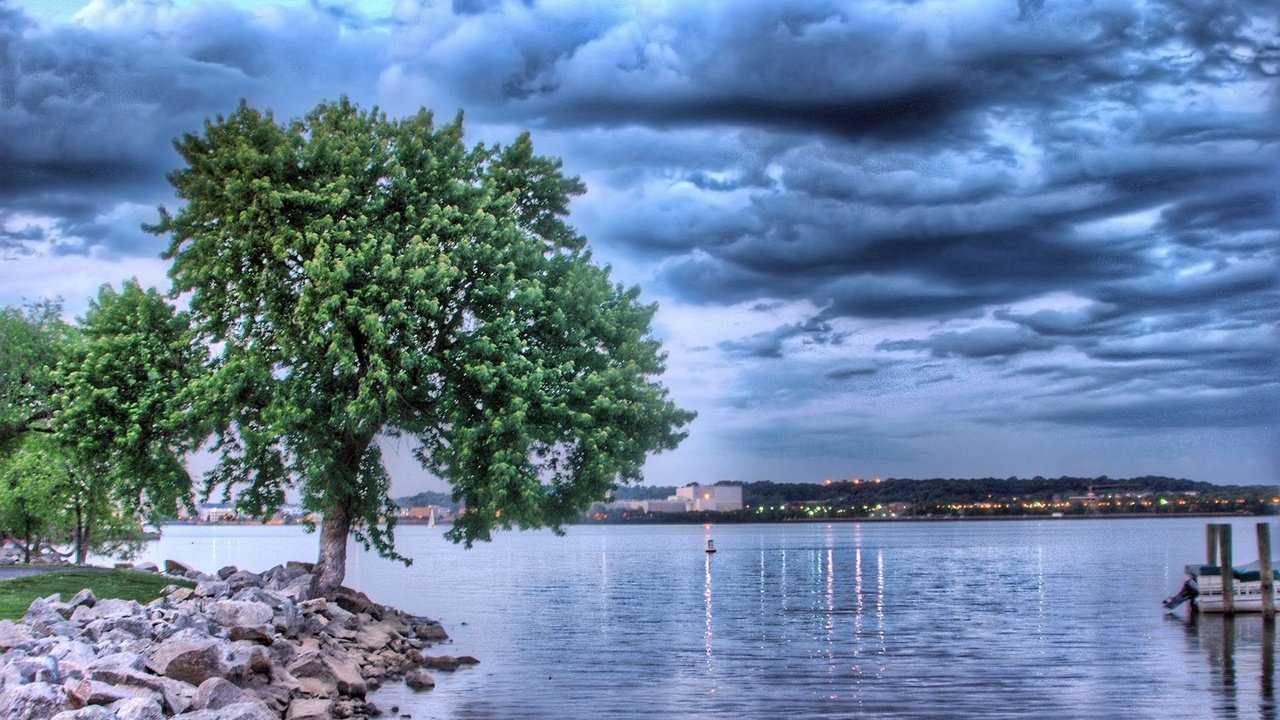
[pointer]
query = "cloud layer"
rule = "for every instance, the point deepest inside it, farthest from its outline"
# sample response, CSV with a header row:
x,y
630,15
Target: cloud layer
x,y
888,238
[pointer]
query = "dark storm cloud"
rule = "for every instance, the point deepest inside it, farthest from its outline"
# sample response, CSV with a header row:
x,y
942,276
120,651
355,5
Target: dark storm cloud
x,y
770,344
88,112
980,343
977,214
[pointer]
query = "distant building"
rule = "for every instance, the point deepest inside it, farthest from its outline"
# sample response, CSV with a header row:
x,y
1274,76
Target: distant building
x,y
666,506
712,498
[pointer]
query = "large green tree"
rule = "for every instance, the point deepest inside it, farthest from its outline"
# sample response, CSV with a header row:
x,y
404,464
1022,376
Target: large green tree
x,y
364,277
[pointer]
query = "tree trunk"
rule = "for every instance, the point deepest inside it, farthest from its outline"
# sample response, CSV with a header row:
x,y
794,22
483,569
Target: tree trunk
x,y
82,535
331,567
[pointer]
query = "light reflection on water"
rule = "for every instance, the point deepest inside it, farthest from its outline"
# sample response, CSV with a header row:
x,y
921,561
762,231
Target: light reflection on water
x,y
947,619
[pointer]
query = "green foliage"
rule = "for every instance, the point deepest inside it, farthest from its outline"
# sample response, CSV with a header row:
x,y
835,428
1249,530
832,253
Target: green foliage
x,y
31,341
31,506
93,420
16,594
125,394
366,276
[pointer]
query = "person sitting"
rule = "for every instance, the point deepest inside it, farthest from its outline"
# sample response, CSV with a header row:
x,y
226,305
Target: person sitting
x,y
1190,591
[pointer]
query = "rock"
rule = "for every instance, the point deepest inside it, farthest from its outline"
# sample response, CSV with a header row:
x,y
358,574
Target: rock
x,y
230,613
430,631
339,673
93,712
147,567
174,695
84,598
310,709
139,709
212,589
216,693
262,634
227,572
14,635
239,711
241,646
34,701
173,567
187,657
357,602
242,579
42,610
376,637
419,680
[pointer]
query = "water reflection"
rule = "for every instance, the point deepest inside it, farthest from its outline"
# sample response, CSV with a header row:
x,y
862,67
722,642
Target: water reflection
x,y
706,595
1237,650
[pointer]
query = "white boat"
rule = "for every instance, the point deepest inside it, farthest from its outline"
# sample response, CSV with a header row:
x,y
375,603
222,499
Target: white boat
x,y
1246,587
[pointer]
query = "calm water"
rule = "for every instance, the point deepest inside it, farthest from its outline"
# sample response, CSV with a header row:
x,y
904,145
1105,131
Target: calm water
x,y
948,619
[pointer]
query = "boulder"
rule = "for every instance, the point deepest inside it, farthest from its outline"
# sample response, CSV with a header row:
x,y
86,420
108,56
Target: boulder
x,y
83,598
238,711
212,589
138,709
341,673
174,695
34,701
43,610
216,693
376,637
432,632
419,680
93,712
232,613
149,567
310,709
14,635
173,567
262,634
186,656
114,607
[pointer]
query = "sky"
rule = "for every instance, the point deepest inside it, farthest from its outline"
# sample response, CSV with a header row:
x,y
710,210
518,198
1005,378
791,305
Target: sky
x,y
887,238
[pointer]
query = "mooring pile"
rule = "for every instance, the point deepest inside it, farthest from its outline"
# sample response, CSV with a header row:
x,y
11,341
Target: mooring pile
x,y
237,646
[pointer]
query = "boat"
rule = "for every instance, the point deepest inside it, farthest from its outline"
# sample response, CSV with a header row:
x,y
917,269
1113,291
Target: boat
x,y
1246,587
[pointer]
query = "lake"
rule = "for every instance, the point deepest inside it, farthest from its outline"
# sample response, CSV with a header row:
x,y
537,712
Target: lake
x,y
961,619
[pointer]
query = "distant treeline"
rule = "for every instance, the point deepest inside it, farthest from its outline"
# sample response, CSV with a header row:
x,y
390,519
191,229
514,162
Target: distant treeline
x,y
955,496
976,497
934,490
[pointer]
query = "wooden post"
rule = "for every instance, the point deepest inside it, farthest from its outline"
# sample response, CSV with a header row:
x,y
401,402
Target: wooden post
x,y
1228,580
1264,568
1211,543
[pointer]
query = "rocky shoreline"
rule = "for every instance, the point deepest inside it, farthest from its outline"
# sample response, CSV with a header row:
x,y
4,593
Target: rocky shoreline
x,y
237,646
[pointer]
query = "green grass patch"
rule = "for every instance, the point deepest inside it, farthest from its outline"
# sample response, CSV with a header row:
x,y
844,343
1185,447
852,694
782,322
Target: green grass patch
x,y
17,593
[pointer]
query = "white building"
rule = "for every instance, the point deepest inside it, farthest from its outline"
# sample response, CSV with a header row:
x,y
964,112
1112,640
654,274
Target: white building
x,y
715,498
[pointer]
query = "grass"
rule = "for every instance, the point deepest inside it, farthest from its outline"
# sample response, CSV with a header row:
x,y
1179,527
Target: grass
x,y
17,593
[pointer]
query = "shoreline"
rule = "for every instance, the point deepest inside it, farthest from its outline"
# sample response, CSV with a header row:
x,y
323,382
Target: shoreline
x,y
238,646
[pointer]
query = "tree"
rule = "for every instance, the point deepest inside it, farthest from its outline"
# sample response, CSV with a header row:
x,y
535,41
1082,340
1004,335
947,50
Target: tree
x,y
364,277
30,506
122,412
31,341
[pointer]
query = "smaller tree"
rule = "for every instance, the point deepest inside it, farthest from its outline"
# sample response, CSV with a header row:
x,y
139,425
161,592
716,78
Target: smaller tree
x,y
32,339
30,507
121,412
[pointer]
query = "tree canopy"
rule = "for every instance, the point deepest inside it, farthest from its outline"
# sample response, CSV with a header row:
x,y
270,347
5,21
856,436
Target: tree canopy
x,y
96,421
364,277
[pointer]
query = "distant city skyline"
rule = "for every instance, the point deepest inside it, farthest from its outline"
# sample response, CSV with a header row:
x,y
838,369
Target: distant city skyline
x,y
915,240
